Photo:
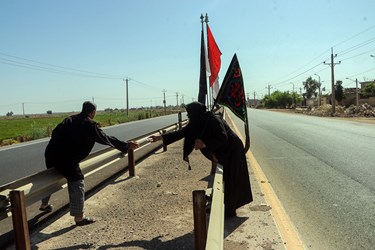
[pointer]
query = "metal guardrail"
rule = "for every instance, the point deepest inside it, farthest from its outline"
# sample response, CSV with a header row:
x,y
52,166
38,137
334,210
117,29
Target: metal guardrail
x,y
215,232
210,236
33,188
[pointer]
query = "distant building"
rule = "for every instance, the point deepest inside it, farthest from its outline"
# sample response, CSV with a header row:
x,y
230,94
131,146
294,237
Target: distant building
x,y
253,102
365,83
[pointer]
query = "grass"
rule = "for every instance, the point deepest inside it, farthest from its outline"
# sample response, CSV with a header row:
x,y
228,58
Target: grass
x,y
19,129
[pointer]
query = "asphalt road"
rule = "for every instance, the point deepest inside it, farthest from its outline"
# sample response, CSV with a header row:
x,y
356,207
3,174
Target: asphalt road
x,y
25,159
323,171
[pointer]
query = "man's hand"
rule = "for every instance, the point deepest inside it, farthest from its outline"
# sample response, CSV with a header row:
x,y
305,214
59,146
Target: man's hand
x,y
132,145
199,144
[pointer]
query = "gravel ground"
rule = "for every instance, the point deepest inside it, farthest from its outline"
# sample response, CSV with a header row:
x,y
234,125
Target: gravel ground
x,y
154,211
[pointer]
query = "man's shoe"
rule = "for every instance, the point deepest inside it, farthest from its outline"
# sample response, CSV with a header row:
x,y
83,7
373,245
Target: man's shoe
x,y
46,209
85,221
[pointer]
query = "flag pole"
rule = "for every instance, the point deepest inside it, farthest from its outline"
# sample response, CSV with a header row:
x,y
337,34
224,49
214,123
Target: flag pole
x,y
202,21
202,95
209,87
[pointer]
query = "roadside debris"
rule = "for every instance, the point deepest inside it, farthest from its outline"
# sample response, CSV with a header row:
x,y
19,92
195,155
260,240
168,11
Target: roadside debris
x,y
363,110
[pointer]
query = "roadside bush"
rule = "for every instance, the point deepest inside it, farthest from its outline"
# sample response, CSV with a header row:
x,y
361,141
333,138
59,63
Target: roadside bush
x,y
141,116
37,132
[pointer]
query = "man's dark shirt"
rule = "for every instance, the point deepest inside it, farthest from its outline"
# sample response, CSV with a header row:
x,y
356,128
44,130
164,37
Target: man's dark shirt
x,y
71,142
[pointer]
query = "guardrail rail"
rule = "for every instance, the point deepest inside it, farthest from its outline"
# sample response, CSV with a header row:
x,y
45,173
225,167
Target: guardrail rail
x,y
17,195
209,232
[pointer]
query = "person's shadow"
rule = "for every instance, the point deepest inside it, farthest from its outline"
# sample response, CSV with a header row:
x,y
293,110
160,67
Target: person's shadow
x,y
183,242
43,236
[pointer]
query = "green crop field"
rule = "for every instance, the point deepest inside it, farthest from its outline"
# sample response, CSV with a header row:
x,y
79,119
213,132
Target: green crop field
x,y
16,129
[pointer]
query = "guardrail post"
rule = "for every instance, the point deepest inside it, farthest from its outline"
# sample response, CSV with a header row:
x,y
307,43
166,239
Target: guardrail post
x,y
164,146
179,121
131,161
21,228
200,223
213,167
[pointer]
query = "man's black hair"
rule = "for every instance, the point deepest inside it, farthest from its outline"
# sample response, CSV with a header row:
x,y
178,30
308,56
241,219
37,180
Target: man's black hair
x,y
88,107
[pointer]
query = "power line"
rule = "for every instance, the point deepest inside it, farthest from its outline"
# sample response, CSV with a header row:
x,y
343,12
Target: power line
x,y
341,53
288,80
362,72
56,66
350,38
316,58
366,52
357,46
50,70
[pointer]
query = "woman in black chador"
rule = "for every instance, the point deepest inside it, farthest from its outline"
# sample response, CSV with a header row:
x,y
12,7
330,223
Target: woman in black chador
x,y
212,135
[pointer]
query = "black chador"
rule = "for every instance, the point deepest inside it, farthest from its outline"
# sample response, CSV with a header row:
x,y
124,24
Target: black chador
x,y
221,144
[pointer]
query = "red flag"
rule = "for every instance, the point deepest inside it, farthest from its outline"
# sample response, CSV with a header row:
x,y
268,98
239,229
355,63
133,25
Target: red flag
x,y
214,60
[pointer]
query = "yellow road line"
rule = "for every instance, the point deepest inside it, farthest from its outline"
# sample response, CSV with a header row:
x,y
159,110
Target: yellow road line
x,y
285,226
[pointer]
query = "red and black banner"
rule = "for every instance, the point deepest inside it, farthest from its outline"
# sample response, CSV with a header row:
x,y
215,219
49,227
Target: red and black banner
x,y
232,95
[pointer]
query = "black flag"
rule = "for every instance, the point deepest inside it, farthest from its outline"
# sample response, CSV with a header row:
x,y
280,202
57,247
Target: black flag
x,y
203,78
232,95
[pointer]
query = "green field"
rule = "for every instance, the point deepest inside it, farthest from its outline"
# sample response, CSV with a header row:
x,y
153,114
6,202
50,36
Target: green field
x,y
19,129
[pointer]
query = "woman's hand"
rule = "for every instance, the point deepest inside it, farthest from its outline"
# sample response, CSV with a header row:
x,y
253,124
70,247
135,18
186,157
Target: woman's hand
x,y
155,138
199,144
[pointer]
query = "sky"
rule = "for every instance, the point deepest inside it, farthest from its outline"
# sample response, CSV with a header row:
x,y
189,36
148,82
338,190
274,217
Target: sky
x,y
54,55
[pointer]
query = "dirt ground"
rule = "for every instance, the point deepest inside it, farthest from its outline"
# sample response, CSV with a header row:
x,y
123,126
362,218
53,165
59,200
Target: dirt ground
x,y
154,211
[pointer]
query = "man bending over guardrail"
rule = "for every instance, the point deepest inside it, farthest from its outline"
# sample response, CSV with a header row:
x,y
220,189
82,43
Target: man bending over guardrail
x,y
217,141
71,142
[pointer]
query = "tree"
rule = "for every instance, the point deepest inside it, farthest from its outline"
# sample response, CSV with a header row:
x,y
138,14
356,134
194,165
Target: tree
x,y
10,113
310,85
280,99
339,91
369,90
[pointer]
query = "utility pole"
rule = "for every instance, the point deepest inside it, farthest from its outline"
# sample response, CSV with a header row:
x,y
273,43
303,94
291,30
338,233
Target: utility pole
x,y
183,101
23,108
177,98
165,107
356,90
319,84
293,86
332,65
127,96
293,102
255,102
269,89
